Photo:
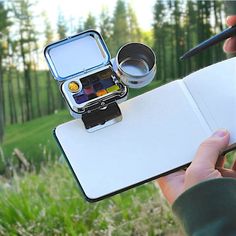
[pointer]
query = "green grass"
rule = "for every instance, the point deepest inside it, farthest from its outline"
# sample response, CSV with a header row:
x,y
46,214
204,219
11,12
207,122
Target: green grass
x,y
49,203
33,138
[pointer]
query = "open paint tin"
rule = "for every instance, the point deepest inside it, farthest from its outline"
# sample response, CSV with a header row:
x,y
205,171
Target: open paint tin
x,y
89,82
81,65
136,65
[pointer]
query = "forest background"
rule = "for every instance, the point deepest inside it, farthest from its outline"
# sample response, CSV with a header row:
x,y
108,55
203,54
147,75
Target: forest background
x,y
31,106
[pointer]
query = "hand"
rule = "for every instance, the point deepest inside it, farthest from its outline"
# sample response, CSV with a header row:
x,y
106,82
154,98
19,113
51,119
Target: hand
x,y
202,168
230,44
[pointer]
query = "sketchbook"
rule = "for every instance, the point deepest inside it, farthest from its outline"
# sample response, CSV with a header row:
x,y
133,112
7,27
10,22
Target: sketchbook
x,y
160,132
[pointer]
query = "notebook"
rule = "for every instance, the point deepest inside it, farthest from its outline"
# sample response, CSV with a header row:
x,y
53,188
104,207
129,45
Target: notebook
x,y
159,133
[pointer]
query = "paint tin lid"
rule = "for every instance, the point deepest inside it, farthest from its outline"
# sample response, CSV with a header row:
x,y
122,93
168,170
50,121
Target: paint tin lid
x,y
77,55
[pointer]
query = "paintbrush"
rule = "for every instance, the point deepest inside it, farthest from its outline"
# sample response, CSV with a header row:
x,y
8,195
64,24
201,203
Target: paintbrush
x,y
210,42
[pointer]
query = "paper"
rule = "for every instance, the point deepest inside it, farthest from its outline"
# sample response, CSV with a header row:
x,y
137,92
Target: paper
x,y
160,131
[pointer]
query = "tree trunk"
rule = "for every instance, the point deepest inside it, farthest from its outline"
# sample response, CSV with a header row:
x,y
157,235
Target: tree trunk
x,y
2,122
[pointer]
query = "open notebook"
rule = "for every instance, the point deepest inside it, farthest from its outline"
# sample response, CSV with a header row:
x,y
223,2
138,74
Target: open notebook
x,y
160,132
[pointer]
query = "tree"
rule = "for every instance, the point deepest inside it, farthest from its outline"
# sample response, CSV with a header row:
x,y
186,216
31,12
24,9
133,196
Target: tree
x,y
61,26
134,30
27,45
159,34
90,22
80,26
48,32
4,29
120,29
105,26
61,31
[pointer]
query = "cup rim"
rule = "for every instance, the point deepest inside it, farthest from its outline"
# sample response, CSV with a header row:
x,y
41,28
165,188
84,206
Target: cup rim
x,y
128,74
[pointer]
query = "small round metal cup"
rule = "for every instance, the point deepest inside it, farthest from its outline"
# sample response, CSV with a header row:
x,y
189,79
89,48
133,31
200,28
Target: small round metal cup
x,y
136,65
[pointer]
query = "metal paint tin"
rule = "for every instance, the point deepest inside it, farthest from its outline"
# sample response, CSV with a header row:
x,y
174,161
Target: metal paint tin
x,y
136,65
89,81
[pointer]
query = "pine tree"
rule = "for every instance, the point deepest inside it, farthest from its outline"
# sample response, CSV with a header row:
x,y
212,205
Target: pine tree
x,y
61,31
134,30
105,26
61,26
48,32
80,26
90,22
120,30
27,45
158,28
4,24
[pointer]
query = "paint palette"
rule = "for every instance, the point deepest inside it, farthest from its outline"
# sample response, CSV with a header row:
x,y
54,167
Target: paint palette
x,y
95,90
83,68
96,86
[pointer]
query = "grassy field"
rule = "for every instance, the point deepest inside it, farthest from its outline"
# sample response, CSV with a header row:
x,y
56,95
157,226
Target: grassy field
x,y
49,203
35,137
47,200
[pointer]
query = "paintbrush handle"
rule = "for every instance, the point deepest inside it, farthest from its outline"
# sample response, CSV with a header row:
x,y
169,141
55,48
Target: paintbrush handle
x,y
227,33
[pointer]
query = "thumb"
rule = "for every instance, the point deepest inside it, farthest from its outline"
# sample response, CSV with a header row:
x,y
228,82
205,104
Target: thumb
x,y
209,150
203,166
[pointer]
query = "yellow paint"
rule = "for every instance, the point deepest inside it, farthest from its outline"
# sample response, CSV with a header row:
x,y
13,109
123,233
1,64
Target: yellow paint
x,y
73,87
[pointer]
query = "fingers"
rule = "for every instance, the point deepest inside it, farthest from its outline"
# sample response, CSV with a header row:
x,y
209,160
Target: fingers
x,y
231,20
203,166
220,162
227,172
234,166
209,150
230,45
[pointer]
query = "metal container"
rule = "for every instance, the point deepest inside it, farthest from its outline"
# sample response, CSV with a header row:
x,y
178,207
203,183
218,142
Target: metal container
x,y
136,65
91,82
82,66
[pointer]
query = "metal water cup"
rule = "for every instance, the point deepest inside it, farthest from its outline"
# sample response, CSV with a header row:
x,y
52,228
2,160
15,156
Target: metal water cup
x,y
136,65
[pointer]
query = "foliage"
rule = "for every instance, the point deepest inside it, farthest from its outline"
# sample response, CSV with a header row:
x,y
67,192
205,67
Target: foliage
x,y
36,137
33,138
49,203
177,26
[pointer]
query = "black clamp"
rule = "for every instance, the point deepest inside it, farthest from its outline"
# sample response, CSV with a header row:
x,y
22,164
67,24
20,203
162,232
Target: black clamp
x,y
101,116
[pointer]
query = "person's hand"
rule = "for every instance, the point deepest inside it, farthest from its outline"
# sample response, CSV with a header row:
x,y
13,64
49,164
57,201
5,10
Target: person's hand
x,y
202,168
230,44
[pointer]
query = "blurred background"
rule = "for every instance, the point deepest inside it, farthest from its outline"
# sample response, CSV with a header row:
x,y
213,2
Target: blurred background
x,y
38,195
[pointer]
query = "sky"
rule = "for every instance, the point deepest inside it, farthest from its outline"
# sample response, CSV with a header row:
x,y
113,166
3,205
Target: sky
x,y
73,10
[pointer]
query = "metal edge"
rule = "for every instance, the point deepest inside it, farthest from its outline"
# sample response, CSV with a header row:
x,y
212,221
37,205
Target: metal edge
x,y
55,44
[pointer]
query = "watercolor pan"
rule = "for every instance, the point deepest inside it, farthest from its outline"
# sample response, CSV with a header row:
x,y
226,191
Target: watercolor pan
x,y
80,98
97,87
107,83
94,86
85,82
101,92
113,88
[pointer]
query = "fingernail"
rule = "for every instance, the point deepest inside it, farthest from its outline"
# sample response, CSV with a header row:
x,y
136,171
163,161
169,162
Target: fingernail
x,y
220,133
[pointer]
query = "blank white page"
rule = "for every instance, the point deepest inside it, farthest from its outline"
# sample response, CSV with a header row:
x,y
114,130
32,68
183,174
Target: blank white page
x,y
214,90
160,131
